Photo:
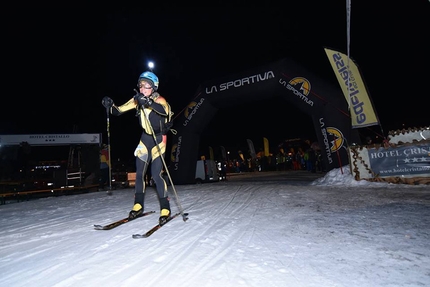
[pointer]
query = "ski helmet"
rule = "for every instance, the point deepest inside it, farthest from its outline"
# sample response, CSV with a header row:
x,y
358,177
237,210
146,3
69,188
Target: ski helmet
x,y
149,77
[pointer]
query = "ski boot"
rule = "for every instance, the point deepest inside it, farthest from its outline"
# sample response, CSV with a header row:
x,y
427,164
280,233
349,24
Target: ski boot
x,y
136,211
164,216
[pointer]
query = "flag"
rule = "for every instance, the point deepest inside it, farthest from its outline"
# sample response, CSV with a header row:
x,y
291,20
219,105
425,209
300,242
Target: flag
x,y
241,155
348,75
266,146
251,149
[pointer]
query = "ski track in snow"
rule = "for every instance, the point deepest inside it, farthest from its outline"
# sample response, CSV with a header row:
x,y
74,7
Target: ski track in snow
x,y
261,233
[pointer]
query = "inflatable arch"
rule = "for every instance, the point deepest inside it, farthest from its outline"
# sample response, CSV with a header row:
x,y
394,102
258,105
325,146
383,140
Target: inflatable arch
x,y
318,99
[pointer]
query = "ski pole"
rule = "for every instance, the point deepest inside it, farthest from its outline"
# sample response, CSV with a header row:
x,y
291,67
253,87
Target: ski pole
x,y
109,192
184,217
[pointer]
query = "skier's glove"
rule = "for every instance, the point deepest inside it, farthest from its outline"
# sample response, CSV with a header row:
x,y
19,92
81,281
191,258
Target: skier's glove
x,y
142,100
107,102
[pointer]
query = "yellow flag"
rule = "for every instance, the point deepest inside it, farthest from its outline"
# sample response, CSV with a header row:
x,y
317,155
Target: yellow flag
x,y
241,156
360,105
266,146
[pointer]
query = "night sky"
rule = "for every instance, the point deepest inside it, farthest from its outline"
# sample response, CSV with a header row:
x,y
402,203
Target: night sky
x,y
60,63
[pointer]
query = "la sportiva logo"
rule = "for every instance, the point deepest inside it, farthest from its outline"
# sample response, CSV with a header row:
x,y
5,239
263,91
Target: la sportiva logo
x,y
173,153
338,139
192,108
237,83
333,140
300,87
189,108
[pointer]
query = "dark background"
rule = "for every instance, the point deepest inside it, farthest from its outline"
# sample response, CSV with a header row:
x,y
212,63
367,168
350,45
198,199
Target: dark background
x,y
61,61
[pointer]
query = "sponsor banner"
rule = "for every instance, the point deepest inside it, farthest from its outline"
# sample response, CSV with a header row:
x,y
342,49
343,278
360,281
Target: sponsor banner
x,y
50,139
251,148
246,81
301,88
184,151
353,88
333,141
320,100
400,160
241,155
266,146
196,115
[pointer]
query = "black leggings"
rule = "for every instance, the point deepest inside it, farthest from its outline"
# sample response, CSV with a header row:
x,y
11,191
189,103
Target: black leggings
x,y
156,169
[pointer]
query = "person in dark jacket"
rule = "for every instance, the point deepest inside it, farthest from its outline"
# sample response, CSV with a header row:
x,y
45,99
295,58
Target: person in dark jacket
x,y
104,167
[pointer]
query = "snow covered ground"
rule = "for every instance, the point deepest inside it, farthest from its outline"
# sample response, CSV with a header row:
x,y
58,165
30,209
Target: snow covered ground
x,y
256,229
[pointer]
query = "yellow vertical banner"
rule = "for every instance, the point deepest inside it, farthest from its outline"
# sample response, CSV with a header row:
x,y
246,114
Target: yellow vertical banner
x,y
353,88
241,155
266,146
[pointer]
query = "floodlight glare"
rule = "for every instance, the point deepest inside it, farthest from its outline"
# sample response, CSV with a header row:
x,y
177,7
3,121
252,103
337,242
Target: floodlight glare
x,y
151,65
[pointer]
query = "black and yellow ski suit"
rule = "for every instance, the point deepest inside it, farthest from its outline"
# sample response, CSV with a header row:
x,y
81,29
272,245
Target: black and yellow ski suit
x,y
153,120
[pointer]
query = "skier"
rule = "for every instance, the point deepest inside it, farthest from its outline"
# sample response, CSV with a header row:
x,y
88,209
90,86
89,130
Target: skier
x,y
154,116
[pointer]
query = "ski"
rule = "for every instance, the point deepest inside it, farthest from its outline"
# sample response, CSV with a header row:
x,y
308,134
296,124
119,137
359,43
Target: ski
x,y
158,226
119,222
